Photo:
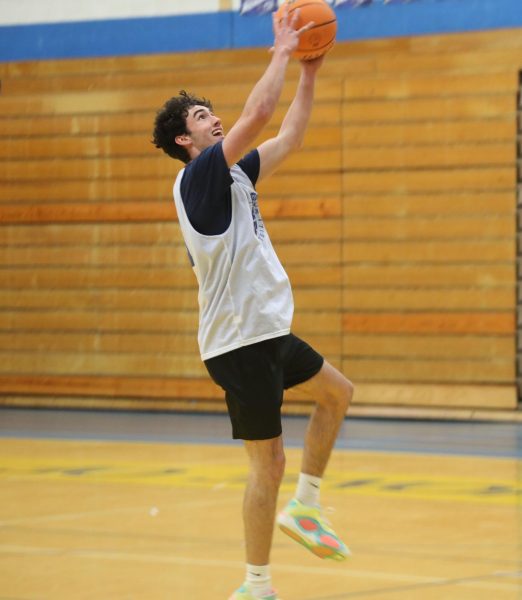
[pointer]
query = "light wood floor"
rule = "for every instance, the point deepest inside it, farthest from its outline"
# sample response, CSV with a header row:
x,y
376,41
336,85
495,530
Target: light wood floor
x,y
102,520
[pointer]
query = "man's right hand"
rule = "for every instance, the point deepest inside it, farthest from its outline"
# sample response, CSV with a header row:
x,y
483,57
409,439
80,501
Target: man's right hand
x,y
286,36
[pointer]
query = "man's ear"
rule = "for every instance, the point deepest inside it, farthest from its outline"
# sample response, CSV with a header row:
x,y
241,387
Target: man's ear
x,y
182,140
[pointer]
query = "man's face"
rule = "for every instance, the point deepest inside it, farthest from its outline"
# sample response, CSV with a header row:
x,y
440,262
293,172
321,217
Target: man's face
x,y
204,128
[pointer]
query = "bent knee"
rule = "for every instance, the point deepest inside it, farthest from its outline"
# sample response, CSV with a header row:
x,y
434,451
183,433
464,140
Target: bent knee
x,y
340,395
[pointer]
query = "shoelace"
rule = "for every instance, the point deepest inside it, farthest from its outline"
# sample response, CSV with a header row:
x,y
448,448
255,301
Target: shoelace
x,y
330,510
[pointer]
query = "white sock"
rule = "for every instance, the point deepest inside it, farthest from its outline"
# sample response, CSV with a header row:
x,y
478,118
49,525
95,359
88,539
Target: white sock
x,y
308,489
259,580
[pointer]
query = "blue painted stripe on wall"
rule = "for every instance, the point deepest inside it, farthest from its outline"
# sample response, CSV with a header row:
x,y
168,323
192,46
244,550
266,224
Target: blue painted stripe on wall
x,y
432,16
395,20
208,31
211,31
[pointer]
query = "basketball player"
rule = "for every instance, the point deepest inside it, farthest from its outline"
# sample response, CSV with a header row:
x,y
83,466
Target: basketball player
x,y
246,305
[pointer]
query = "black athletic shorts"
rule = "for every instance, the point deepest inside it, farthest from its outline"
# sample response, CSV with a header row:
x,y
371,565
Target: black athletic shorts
x,y
254,378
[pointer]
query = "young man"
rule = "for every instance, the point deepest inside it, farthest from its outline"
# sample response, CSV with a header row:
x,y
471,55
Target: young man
x,y
246,304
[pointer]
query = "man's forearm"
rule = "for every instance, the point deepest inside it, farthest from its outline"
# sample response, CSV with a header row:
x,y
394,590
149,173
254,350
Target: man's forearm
x,y
297,117
262,100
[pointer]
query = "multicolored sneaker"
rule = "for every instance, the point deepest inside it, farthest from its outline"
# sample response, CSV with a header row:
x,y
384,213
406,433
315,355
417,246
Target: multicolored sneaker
x,y
306,525
243,593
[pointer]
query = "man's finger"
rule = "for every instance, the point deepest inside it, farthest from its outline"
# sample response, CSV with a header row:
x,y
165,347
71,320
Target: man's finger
x,y
306,27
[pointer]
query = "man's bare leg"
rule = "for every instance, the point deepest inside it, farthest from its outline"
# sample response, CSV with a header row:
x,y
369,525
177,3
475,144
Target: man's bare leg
x,y
267,465
332,393
302,519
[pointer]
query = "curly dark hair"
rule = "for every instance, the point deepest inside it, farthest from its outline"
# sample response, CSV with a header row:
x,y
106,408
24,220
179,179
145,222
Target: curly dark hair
x,y
171,121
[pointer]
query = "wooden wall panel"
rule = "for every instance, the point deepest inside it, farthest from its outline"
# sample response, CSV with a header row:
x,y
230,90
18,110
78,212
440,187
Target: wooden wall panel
x,y
429,132
396,223
429,167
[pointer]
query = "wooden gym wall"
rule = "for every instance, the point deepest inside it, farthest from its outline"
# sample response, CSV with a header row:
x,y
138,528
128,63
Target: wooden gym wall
x,y
396,223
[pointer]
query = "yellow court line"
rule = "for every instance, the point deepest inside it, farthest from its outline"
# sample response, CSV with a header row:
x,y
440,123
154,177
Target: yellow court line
x,y
222,476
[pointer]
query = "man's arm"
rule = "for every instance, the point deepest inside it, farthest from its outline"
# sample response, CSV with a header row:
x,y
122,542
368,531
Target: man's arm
x,y
263,99
291,134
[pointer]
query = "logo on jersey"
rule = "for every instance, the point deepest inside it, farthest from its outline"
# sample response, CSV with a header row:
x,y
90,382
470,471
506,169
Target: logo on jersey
x,y
259,226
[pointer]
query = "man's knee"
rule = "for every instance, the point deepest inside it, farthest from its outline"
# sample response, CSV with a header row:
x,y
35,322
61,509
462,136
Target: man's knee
x,y
267,460
270,472
339,394
278,467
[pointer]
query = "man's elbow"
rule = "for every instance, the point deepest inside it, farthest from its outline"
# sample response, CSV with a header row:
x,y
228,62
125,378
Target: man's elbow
x,y
292,139
298,144
294,143
263,112
289,141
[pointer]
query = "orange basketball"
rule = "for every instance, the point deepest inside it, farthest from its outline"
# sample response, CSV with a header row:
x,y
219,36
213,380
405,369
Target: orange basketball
x,y
321,37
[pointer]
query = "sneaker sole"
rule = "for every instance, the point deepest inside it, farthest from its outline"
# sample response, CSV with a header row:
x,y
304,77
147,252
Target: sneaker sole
x,y
320,551
234,597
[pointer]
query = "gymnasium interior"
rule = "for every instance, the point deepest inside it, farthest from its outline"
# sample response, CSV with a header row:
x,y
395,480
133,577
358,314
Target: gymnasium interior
x,y
398,224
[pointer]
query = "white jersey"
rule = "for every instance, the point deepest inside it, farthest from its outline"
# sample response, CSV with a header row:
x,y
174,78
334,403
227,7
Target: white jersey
x,y
244,293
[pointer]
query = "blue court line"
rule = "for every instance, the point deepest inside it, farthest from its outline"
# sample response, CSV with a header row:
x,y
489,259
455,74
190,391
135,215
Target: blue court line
x,y
493,440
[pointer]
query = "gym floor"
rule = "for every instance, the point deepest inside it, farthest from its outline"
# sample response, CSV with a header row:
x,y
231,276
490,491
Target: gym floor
x,y
147,506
